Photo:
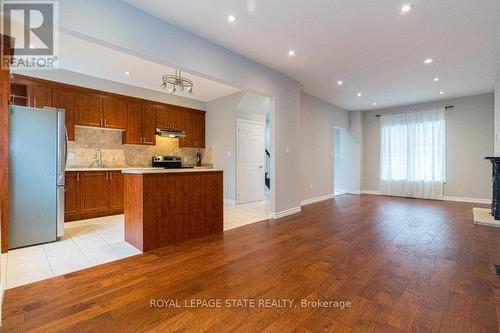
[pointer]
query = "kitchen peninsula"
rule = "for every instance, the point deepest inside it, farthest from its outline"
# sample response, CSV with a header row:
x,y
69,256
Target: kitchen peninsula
x,y
164,207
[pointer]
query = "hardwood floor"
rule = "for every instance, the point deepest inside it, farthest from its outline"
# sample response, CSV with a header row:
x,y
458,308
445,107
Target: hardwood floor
x,y
406,265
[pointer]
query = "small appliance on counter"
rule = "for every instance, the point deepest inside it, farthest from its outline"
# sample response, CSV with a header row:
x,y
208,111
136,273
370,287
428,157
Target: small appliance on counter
x,y
198,159
168,162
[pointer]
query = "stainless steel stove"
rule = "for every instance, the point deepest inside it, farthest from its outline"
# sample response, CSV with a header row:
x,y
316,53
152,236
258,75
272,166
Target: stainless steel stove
x,y
168,162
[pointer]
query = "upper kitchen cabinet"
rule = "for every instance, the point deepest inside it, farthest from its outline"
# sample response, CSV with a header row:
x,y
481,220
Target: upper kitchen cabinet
x,y
114,113
194,126
88,110
40,96
65,99
199,129
141,124
149,124
170,117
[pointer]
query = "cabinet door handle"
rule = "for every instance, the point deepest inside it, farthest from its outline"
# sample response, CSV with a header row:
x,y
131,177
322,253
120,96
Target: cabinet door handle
x,y
77,176
110,175
105,123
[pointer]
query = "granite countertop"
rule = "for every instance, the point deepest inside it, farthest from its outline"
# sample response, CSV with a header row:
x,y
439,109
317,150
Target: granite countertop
x,y
160,170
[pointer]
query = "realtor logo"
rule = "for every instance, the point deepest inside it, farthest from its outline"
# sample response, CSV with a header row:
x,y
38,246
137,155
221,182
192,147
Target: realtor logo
x,y
33,25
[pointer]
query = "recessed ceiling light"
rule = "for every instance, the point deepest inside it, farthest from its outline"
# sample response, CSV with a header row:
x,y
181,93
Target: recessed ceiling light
x,y
340,83
441,93
360,94
436,79
291,53
405,9
428,61
127,73
231,18
374,103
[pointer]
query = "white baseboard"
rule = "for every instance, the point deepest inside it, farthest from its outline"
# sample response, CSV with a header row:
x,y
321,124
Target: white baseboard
x,y
230,202
464,199
348,191
317,199
444,198
284,213
370,192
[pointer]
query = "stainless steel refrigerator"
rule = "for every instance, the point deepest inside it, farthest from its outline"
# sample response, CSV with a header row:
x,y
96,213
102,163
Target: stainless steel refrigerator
x,y
37,160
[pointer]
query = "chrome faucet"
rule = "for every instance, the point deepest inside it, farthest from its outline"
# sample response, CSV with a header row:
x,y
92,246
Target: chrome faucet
x,y
98,159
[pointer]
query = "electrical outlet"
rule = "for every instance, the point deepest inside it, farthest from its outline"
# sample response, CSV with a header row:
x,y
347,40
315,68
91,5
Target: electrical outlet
x,y
71,156
287,150
228,153
310,187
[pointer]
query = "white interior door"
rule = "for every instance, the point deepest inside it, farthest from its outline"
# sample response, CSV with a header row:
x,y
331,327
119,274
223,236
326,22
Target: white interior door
x,y
250,162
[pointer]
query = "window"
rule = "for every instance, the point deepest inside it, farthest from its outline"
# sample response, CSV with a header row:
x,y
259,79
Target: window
x,y
413,153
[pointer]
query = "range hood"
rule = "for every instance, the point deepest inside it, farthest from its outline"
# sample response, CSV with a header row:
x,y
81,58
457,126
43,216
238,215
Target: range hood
x,y
170,133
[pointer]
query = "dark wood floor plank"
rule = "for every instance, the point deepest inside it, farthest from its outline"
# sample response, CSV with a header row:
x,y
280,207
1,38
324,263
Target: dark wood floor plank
x,y
405,264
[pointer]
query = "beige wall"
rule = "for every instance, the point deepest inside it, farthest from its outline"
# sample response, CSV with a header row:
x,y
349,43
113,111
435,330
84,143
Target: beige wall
x,y
469,127
318,120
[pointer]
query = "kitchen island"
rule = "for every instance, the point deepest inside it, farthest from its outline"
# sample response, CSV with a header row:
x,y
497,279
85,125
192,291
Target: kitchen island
x,y
168,206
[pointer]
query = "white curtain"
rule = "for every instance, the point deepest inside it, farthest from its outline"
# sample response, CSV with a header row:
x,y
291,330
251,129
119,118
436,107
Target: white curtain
x,y
412,161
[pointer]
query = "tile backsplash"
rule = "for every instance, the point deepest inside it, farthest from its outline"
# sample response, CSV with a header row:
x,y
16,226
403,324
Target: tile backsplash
x,y
114,153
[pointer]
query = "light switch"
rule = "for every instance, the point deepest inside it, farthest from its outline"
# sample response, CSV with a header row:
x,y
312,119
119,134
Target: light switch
x,y
228,153
287,150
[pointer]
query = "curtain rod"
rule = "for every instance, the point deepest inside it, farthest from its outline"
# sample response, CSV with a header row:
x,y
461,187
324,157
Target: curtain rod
x,y
446,108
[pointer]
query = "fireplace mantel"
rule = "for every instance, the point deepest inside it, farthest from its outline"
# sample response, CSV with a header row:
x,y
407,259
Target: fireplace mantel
x,y
495,202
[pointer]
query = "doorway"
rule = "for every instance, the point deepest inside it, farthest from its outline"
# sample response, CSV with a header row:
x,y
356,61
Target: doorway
x,y
337,162
250,157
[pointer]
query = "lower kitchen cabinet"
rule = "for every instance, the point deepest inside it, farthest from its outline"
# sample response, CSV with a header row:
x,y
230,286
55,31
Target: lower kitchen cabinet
x,y
92,194
115,192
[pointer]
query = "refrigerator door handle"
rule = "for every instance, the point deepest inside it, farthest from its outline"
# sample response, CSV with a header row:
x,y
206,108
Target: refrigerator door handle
x,y
62,149
66,143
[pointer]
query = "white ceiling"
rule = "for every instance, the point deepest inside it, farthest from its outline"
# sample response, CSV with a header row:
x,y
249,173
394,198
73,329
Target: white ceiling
x,y
106,63
368,44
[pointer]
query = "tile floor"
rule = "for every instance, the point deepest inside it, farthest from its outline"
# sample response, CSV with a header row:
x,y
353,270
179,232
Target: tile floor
x,y
92,242
239,215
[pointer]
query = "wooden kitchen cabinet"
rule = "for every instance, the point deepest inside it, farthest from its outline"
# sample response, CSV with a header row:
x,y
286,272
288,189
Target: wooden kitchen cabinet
x,y
71,195
199,129
114,113
138,118
149,124
194,126
133,134
40,96
115,190
141,124
65,99
188,141
91,194
170,117
88,110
